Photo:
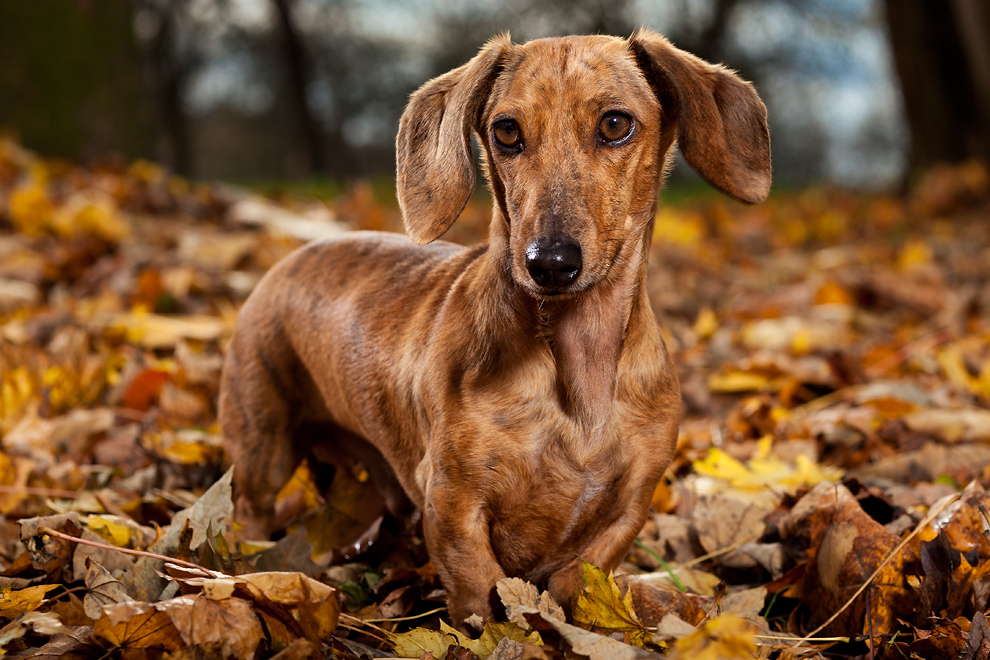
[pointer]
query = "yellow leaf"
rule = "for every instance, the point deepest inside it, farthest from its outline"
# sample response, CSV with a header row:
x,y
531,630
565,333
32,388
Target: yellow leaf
x,y
684,229
982,387
30,208
147,171
420,641
728,637
764,469
914,254
14,471
189,453
14,603
953,364
156,331
110,528
90,213
737,381
706,324
303,483
833,293
601,606
495,632
720,465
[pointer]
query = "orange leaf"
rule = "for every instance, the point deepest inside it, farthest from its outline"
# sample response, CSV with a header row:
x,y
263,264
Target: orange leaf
x,y
144,389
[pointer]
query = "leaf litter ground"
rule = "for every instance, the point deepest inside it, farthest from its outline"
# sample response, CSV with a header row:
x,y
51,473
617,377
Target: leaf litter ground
x,y
827,498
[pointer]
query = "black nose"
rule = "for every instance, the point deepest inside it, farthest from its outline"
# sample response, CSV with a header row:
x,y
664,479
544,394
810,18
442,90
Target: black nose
x,y
553,263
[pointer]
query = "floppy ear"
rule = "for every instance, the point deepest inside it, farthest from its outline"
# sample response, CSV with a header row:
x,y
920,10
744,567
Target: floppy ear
x,y
434,163
722,124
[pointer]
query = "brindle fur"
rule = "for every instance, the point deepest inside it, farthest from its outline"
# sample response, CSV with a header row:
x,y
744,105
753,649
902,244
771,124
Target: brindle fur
x,y
530,429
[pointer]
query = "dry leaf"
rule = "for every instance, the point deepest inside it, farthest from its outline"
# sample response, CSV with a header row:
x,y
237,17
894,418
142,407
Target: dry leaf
x,y
103,590
13,603
516,593
229,623
584,642
727,637
134,625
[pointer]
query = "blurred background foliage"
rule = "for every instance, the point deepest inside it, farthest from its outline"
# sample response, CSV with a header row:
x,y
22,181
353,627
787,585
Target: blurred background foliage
x,y
859,92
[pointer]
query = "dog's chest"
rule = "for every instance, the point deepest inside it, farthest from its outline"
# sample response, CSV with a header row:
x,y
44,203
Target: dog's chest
x,y
548,498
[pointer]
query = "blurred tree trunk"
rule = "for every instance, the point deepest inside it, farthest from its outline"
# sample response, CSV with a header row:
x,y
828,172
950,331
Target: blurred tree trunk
x,y
942,55
307,131
70,77
170,72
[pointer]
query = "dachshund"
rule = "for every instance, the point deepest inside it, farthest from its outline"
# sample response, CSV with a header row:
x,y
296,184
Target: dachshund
x,y
518,394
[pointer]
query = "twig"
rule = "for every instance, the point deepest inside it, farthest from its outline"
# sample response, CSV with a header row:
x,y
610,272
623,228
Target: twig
x,y
364,632
791,638
900,546
126,551
344,615
825,401
45,492
906,352
405,618
715,606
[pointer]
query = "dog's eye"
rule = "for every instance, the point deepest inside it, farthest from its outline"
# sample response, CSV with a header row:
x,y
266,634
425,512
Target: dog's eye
x,y
615,127
508,134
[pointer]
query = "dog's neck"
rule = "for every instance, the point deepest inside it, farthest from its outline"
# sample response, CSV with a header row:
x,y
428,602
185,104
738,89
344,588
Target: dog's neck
x,y
585,332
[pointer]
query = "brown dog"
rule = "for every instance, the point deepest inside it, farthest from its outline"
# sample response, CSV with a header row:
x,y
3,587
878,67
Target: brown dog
x,y
519,393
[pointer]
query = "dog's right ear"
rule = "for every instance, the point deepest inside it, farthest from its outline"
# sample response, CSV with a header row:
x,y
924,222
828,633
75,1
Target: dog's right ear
x,y
721,121
434,162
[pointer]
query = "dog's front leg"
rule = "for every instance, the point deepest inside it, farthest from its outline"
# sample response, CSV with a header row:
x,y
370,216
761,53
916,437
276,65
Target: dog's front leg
x,y
606,551
456,527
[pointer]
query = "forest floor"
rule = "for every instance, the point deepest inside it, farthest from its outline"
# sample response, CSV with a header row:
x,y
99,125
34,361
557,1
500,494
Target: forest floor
x,y
827,498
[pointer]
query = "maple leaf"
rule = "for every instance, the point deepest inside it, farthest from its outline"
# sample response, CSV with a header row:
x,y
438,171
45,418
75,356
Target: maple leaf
x,y
727,637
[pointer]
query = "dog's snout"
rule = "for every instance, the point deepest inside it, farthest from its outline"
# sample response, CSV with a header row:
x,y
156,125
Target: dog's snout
x,y
553,263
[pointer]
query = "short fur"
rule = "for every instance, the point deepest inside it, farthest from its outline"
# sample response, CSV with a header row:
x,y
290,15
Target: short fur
x,y
529,426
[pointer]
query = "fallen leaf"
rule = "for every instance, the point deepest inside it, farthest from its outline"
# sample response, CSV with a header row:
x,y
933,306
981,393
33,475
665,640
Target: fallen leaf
x,y
951,426
584,642
42,623
13,603
727,637
103,590
229,623
135,625
516,593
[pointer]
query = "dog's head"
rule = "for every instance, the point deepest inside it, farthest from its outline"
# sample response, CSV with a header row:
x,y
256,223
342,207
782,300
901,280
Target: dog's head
x,y
575,133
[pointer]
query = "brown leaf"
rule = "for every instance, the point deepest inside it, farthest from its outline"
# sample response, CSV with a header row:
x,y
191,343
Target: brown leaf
x,y
845,547
103,590
42,623
135,625
959,425
75,644
50,554
584,642
516,594
309,607
300,649
230,623
654,599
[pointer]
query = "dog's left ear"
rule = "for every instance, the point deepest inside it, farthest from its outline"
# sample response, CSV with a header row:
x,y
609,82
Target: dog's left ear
x,y
434,162
722,124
